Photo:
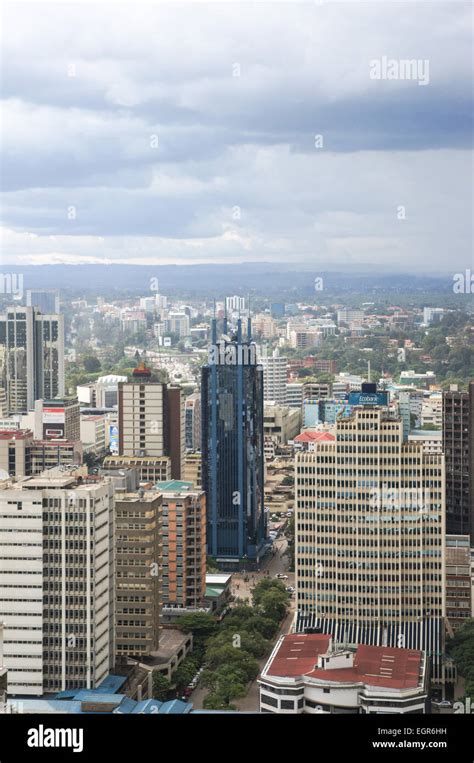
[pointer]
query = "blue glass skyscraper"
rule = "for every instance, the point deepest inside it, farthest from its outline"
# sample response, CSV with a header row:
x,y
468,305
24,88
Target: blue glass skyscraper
x,y
233,450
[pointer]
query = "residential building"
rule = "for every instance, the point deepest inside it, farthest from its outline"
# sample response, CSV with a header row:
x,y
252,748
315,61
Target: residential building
x,y
184,545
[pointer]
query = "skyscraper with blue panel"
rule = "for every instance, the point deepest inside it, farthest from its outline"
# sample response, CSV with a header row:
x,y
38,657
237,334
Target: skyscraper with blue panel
x,y
233,450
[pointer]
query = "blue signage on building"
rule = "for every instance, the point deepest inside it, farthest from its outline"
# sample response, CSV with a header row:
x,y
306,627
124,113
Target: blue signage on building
x,y
368,398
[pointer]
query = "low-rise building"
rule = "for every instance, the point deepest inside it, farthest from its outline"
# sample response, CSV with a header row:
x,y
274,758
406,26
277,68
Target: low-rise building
x,y
306,674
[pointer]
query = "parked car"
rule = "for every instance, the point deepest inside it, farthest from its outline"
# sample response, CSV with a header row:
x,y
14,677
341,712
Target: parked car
x,y
280,576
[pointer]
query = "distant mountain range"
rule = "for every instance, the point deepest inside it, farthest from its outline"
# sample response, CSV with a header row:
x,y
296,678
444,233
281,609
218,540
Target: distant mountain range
x,y
284,281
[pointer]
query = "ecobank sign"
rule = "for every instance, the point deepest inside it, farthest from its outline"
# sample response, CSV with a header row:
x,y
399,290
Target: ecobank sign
x,y
368,398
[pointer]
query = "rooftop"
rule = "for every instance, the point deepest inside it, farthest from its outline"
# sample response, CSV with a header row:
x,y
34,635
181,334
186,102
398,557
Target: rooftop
x,y
381,666
309,436
175,486
298,654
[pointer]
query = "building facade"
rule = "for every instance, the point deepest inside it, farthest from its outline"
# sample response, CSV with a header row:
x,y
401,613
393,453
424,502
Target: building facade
x,y
184,545
32,356
370,536
138,573
56,591
233,450
458,447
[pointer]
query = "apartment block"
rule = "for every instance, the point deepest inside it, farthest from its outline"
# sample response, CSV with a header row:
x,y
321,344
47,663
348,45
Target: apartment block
x,y
184,544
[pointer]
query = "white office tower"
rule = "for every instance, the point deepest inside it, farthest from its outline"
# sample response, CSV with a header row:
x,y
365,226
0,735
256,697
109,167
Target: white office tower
x,y
235,304
274,377
56,582
370,536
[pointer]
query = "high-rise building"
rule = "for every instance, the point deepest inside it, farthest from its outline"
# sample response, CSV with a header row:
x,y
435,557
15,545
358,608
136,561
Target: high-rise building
x,y
274,377
370,536
184,545
33,356
235,304
138,573
458,446
44,300
56,590
151,419
458,580
193,421
233,450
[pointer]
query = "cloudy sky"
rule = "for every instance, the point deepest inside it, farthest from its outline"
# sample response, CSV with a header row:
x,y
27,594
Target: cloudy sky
x,y
185,132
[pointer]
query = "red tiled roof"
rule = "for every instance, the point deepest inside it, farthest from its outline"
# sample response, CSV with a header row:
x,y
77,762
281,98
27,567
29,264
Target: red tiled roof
x,y
298,654
315,437
373,665
15,434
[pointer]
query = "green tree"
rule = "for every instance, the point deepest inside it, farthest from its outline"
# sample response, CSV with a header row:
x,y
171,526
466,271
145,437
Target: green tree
x,y
161,686
227,655
201,624
227,682
91,364
461,649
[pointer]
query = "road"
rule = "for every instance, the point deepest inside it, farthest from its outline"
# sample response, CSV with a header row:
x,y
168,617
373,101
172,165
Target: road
x,y
242,589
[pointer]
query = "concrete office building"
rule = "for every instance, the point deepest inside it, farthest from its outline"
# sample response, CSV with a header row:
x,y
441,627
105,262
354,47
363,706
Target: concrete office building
x,y
151,420
370,536
138,573
281,423
57,419
150,469
56,590
458,580
33,357
274,377
22,456
192,471
45,301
